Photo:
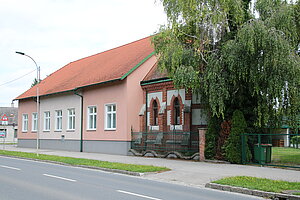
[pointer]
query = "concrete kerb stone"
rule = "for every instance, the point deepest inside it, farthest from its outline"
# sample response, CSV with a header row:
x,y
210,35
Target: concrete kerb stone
x,y
226,188
214,186
83,166
271,195
259,193
236,190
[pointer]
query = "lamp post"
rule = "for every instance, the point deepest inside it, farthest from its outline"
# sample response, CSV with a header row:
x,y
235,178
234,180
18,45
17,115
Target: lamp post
x,y
37,99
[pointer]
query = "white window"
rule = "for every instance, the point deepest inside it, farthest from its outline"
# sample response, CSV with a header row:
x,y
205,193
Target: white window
x,y
25,122
92,118
47,121
58,120
71,119
34,122
110,117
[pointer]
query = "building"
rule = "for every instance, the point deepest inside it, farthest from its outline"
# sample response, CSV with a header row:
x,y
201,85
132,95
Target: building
x,y
8,124
95,104
170,118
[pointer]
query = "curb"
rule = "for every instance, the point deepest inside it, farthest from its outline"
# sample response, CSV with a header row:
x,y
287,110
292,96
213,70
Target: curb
x,y
82,166
270,195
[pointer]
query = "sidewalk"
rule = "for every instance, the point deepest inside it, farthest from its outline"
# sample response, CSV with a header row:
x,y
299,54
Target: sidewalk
x,y
182,171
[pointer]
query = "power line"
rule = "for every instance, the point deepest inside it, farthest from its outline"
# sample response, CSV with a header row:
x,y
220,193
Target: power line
x,y
16,78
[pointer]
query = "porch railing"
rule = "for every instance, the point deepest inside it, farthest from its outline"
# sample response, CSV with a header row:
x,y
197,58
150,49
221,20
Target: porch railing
x,y
162,142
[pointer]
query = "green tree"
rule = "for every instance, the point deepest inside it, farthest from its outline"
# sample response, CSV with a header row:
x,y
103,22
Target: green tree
x,y
233,145
34,82
211,137
235,60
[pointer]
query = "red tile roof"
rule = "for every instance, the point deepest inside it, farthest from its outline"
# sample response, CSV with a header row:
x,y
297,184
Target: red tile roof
x,y
109,65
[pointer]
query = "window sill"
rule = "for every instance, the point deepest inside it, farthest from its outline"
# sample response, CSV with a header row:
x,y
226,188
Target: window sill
x,y
176,127
46,130
58,131
110,129
91,130
71,130
154,128
33,131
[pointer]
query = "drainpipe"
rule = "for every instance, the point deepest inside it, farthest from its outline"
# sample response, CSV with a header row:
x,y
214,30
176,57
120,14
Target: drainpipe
x,y
146,117
81,121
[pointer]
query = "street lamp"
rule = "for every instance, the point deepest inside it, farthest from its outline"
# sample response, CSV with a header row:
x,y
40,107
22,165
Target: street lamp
x,y
37,99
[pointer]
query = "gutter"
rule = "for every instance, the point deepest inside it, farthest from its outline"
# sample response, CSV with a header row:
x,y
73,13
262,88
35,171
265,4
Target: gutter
x,y
81,121
159,80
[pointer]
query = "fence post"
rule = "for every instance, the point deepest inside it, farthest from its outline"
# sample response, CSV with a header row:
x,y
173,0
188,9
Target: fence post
x,y
243,149
259,146
297,138
202,132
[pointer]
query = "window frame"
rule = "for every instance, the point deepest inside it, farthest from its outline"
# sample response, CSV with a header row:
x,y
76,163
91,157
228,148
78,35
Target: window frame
x,y
92,118
58,120
176,111
24,122
71,119
34,125
155,113
113,116
47,121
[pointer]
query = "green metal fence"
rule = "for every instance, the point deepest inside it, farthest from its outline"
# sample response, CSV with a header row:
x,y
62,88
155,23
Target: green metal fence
x,y
272,149
186,143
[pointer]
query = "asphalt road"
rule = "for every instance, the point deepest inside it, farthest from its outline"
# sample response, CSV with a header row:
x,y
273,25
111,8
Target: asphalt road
x,y
25,179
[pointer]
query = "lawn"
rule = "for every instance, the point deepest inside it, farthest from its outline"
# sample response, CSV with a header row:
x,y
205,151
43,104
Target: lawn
x,y
286,156
87,162
262,184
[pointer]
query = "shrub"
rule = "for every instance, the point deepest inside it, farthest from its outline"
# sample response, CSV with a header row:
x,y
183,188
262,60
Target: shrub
x,y
233,145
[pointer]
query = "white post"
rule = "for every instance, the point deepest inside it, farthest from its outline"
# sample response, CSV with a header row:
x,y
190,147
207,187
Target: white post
x,y
37,100
38,110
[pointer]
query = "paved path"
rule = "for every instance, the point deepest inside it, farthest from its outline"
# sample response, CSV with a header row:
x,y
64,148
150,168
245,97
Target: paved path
x,y
183,172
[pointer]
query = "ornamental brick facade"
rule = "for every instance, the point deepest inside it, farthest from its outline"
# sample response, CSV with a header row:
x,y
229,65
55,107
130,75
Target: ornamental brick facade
x,y
164,93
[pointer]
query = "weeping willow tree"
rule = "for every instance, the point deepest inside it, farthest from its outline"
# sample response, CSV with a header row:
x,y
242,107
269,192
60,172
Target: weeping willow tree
x,y
236,58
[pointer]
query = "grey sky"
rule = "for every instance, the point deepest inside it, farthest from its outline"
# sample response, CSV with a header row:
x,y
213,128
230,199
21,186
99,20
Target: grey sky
x,y
56,32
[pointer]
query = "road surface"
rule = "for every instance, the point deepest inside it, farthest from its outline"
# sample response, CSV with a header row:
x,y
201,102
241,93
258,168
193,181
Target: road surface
x,y
25,179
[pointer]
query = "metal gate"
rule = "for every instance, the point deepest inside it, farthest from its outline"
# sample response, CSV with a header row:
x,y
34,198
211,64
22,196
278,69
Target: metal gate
x,y
273,149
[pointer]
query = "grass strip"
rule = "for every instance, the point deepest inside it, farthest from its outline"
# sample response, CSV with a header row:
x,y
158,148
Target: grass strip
x,y
87,162
262,184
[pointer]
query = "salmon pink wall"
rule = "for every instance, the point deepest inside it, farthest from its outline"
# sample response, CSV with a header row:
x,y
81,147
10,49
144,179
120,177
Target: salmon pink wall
x,y
128,97
26,107
99,96
135,94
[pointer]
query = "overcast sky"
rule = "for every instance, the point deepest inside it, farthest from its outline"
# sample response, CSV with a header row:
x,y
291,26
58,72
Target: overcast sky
x,y
56,32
